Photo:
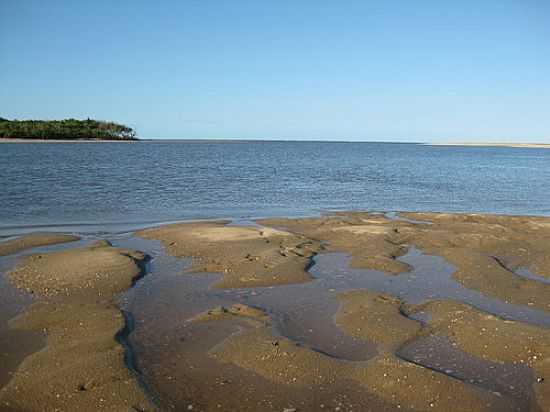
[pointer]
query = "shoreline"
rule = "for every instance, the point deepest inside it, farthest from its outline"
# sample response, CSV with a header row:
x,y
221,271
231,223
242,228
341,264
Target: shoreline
x,y
211,141
10,140
89,228
244,141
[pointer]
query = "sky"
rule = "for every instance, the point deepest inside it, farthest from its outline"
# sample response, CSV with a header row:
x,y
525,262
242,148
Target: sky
x,y
424,70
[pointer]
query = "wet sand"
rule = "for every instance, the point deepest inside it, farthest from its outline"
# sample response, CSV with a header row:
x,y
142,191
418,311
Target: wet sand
x,y
15,345
18,244
83,365
345,312
248,256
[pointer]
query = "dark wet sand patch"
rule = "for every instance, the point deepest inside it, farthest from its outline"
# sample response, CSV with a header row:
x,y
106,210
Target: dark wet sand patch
x,y
504,379
15,345
494,339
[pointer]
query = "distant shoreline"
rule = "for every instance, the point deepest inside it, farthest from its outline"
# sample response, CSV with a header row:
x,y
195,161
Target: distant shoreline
x,y
228,141
516,145
236,141
9,140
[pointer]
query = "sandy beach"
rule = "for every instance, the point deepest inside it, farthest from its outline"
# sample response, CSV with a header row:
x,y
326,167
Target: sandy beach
x,y
350,311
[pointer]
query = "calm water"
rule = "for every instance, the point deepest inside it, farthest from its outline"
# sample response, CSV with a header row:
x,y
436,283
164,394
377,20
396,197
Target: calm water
x,y
100,184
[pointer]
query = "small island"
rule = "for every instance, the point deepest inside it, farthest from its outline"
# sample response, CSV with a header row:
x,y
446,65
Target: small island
x,y
68,129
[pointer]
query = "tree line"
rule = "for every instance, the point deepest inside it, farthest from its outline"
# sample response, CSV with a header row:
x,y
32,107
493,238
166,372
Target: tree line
x,y
68,129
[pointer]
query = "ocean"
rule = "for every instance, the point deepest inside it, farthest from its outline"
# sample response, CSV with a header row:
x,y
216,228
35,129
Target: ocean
x,y
109,187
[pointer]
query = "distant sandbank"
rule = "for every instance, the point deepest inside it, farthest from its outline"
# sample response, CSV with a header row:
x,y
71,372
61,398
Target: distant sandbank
x,y
520,145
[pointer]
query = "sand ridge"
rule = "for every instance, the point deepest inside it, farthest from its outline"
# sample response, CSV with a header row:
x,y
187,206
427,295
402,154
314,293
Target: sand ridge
x,y
12,246
247,256
376,317
97,269
83,366
495,339
363,236
386,377
487,251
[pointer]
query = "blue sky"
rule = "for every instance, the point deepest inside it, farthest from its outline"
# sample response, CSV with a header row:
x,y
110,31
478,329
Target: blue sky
x,y
321,70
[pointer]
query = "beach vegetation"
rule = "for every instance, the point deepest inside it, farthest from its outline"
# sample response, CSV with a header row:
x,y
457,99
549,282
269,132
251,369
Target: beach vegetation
x,y
67,129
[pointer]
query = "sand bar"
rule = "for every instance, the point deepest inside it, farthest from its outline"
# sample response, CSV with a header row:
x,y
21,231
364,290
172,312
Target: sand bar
x,y
18,244
516,145
226,332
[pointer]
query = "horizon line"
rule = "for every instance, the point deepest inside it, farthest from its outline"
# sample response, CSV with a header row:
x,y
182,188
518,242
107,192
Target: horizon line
x,y
298,140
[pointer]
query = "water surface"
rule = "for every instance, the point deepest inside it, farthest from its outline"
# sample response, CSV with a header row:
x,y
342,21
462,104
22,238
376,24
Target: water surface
x,y
110,187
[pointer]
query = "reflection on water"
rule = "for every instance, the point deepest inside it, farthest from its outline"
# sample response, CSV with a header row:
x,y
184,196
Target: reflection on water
x,y
397,217
438,353
301,312
431,278
526,273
